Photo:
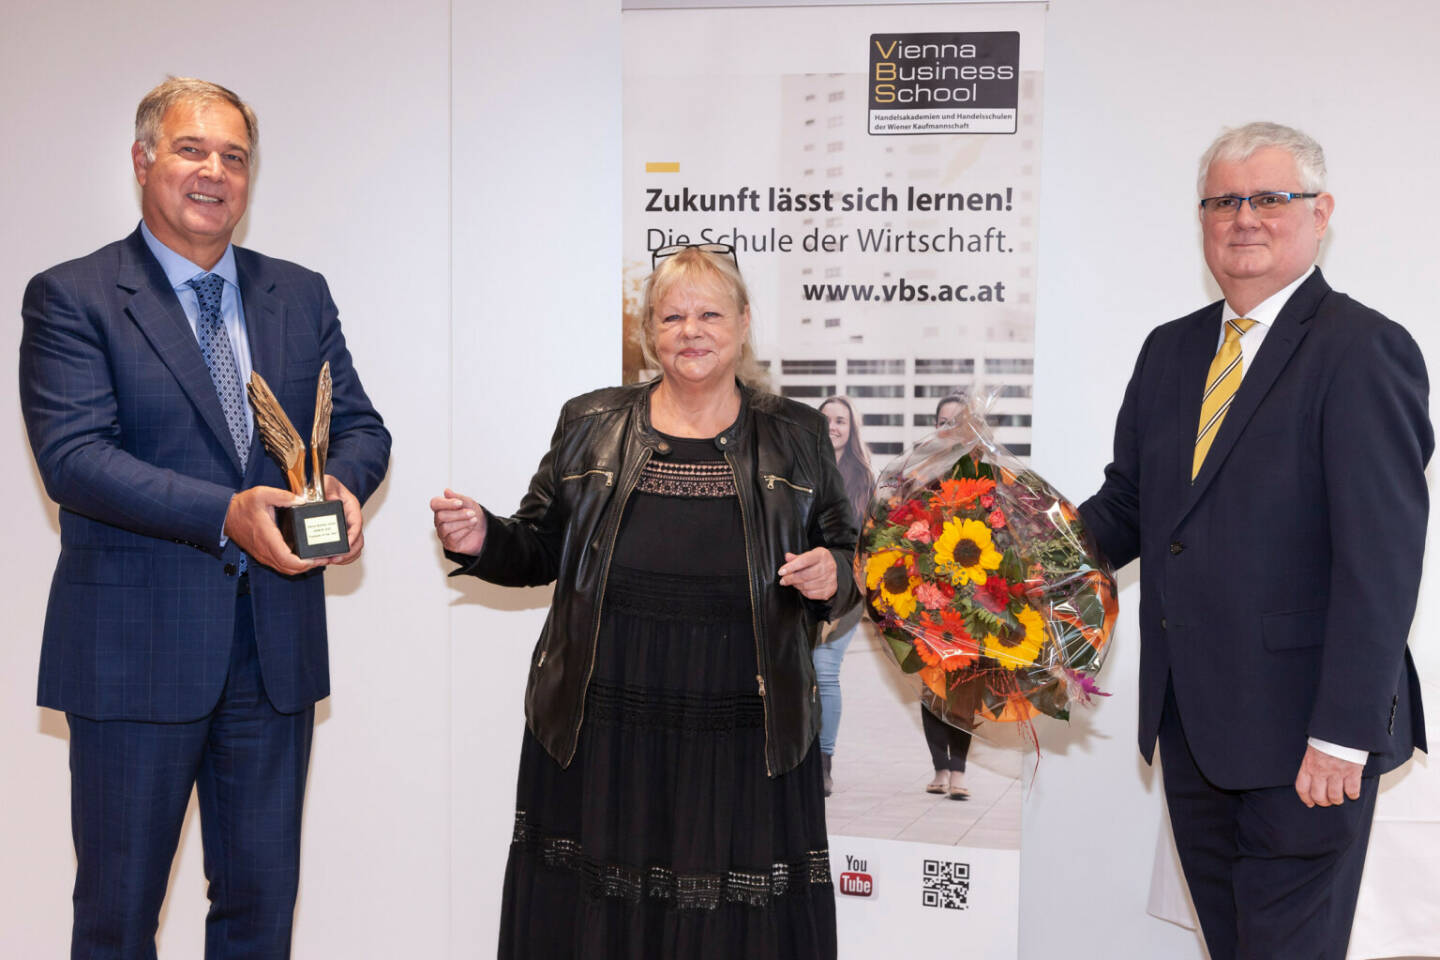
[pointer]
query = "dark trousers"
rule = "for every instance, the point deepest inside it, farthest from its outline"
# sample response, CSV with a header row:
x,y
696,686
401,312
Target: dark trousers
x,y
949,746
130,785
1271,878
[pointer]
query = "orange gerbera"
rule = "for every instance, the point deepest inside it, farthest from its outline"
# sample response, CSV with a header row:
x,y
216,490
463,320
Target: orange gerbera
x,y
945,642
950,626
958,493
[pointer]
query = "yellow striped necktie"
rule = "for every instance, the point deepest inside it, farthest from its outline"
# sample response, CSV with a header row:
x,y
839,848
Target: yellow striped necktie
x,y
1220,386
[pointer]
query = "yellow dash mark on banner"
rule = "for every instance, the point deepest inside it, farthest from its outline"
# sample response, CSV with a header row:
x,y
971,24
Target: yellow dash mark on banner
x,y
667,166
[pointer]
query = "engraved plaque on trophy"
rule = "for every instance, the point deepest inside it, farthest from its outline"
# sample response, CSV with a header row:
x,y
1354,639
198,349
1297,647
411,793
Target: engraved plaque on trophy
x,y
315,528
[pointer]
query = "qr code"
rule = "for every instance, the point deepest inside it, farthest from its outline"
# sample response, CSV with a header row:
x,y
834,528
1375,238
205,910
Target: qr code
x,y
946,884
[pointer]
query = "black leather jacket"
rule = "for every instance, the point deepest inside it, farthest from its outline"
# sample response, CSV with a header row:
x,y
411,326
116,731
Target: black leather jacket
x,y
791,499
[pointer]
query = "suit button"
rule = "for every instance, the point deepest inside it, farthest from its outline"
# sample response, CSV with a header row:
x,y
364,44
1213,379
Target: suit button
x,y
1177,548
231,569
1163,624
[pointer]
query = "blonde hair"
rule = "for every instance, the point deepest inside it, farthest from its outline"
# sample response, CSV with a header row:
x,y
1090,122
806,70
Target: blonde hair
x,y
695,266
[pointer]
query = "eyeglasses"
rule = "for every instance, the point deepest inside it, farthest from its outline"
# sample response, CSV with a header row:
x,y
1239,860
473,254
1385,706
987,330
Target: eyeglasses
x,y
1272,203
722,249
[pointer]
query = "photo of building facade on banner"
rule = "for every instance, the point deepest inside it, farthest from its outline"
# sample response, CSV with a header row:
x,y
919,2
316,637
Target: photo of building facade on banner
x,y
877,171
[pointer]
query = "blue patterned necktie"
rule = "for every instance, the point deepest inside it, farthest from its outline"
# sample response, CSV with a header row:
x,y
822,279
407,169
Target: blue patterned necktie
x,y
215,346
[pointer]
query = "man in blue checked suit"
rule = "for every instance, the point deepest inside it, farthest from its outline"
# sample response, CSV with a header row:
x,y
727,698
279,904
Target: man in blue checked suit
x,y
1269,472
184,641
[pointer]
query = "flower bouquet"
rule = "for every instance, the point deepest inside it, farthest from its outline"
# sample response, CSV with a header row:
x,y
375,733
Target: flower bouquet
x,y
983,581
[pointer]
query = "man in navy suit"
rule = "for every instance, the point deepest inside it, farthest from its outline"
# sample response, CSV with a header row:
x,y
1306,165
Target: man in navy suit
x,y
183,639
1269,472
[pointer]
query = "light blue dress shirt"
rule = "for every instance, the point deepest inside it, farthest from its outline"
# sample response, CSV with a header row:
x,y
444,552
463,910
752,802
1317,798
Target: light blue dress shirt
x,y
180,272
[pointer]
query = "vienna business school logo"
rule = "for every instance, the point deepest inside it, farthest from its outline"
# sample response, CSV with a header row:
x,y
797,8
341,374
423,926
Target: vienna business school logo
x,y
928,83
855,881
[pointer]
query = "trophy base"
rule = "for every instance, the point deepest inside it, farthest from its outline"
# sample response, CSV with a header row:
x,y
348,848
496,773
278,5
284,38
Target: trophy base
x,y
314,530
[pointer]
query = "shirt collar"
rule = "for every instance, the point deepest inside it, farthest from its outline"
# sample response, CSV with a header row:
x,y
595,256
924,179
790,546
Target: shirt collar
x,y
180,271
1269,308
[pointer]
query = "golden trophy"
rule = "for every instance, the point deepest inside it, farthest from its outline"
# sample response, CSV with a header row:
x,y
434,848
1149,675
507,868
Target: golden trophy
x,y
315,528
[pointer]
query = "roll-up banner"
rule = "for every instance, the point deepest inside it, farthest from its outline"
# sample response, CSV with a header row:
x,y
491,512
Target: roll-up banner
x,y
876,169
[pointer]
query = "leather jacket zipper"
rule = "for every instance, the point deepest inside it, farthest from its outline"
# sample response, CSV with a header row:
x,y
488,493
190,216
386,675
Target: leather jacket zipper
x,y
600,600
609,476
770,479
754,611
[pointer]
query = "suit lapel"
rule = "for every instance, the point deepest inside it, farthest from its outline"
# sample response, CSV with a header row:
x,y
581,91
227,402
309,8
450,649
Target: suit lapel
x,y
156,310
265,327
1290,328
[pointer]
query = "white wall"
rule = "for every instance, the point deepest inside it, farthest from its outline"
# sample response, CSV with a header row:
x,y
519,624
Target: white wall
x,y
453,170
536,309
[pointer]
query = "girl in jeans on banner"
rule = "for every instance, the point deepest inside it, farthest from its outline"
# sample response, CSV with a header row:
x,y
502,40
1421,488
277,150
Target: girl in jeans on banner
x,y
854,461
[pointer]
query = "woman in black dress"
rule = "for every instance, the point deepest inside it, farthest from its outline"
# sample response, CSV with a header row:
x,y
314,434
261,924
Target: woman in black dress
x,y
697,532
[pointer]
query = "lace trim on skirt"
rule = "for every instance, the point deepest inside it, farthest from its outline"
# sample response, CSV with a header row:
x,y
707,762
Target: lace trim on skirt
x,y
683,891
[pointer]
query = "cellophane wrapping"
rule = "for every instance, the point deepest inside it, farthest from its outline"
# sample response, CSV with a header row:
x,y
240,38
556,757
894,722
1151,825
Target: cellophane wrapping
x,y
982,580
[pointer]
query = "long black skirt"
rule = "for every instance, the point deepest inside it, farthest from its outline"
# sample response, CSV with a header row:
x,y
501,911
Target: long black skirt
x,y
664,837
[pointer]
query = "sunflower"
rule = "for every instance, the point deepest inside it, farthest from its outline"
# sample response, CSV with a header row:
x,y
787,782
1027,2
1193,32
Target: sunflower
x,y
1017,647
965,550
897,590
890,575
878,563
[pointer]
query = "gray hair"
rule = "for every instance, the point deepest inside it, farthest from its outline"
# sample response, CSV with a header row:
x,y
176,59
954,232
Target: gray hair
x,y
150,115
693,265
1239,144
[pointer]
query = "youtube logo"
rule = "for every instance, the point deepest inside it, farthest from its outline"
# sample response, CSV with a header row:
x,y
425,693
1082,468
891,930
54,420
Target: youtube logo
x,y
855,881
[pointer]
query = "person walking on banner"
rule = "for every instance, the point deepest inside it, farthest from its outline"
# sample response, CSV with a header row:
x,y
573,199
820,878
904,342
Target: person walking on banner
x,y
949,745
183,639
853,459
1269,471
